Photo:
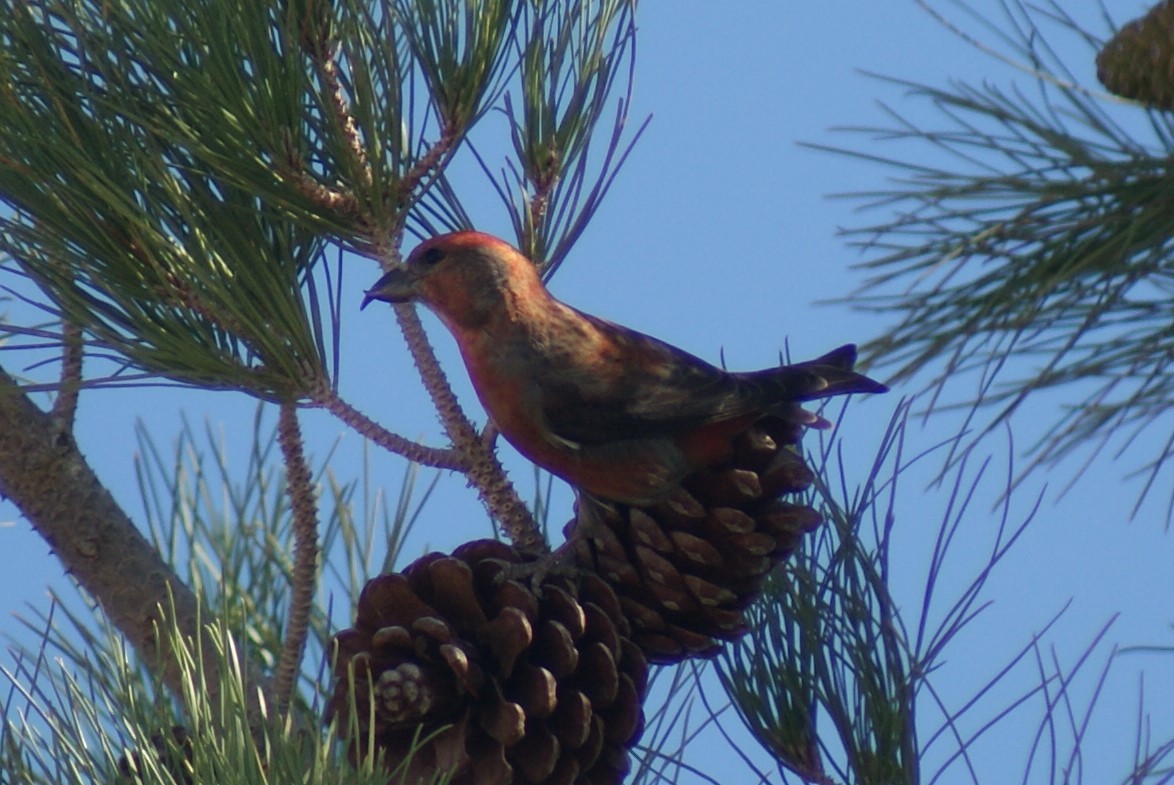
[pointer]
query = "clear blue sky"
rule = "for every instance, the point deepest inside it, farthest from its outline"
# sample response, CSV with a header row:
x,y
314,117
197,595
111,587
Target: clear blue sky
x,y
719,236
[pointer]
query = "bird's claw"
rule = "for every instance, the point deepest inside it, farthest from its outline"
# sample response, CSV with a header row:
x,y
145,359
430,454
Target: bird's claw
x,y
534,574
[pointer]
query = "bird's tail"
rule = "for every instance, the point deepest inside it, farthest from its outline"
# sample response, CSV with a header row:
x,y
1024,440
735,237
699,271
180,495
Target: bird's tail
x,y
781,389
827,376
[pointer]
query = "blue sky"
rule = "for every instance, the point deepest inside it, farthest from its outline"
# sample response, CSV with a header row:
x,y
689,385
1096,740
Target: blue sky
x,y
719,237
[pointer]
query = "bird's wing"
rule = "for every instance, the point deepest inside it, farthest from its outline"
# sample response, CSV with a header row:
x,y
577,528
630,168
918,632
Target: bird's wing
x,y
651,389
647,388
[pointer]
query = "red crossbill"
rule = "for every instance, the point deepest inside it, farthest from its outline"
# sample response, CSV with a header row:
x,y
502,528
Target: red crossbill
x,y
616,413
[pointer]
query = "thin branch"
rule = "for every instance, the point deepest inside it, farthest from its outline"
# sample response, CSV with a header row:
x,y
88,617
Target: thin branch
x,y
334,199
381,239
65,404
299,486
337,199
484,470
426,165
1038,254
415,452
471,453
328,69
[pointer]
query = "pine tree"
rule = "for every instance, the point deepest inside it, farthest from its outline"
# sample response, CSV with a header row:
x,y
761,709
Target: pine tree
x,y
182,181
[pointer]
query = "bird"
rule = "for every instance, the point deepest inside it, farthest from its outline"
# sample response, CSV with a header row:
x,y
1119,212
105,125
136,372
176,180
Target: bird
x,y
619,415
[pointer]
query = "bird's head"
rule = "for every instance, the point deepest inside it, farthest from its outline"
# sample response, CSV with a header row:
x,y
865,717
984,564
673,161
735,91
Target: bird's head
x,y
464,277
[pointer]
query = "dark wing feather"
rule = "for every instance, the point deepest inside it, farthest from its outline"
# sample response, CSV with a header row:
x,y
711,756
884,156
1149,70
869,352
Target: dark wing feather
x,y
662,392
659,390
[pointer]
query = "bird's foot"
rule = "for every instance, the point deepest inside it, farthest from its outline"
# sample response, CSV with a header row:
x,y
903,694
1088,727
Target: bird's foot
x,y
534,574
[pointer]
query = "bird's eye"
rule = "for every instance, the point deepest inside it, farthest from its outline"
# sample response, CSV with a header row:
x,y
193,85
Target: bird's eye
x,y
431,256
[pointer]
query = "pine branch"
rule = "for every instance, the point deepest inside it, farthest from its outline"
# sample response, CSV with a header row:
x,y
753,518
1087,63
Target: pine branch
x,y
43,473
355,151
69,385
304,510
483,469
1037,258
415,452
575,56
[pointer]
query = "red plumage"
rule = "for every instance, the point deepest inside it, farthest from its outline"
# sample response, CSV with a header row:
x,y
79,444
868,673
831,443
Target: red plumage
x,y
616,413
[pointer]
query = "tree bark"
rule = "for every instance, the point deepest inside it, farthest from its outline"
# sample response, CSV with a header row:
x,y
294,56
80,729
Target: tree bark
x,y
45,475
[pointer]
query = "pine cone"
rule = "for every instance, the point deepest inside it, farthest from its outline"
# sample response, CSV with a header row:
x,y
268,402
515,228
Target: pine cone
x,y
1138,62
535,686
685,568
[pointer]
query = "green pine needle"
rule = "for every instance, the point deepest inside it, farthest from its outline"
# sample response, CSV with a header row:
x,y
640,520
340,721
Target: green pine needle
x,y
1031,251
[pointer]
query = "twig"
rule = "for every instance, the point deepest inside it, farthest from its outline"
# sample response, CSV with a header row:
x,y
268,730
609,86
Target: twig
x,y
415,452
469,453
65,405
489,434
337,200
483,469
424,165
299,486
342,113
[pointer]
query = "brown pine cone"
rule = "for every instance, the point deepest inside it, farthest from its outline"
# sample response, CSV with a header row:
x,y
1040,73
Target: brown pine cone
x,y
685,568
1138,62
531,685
